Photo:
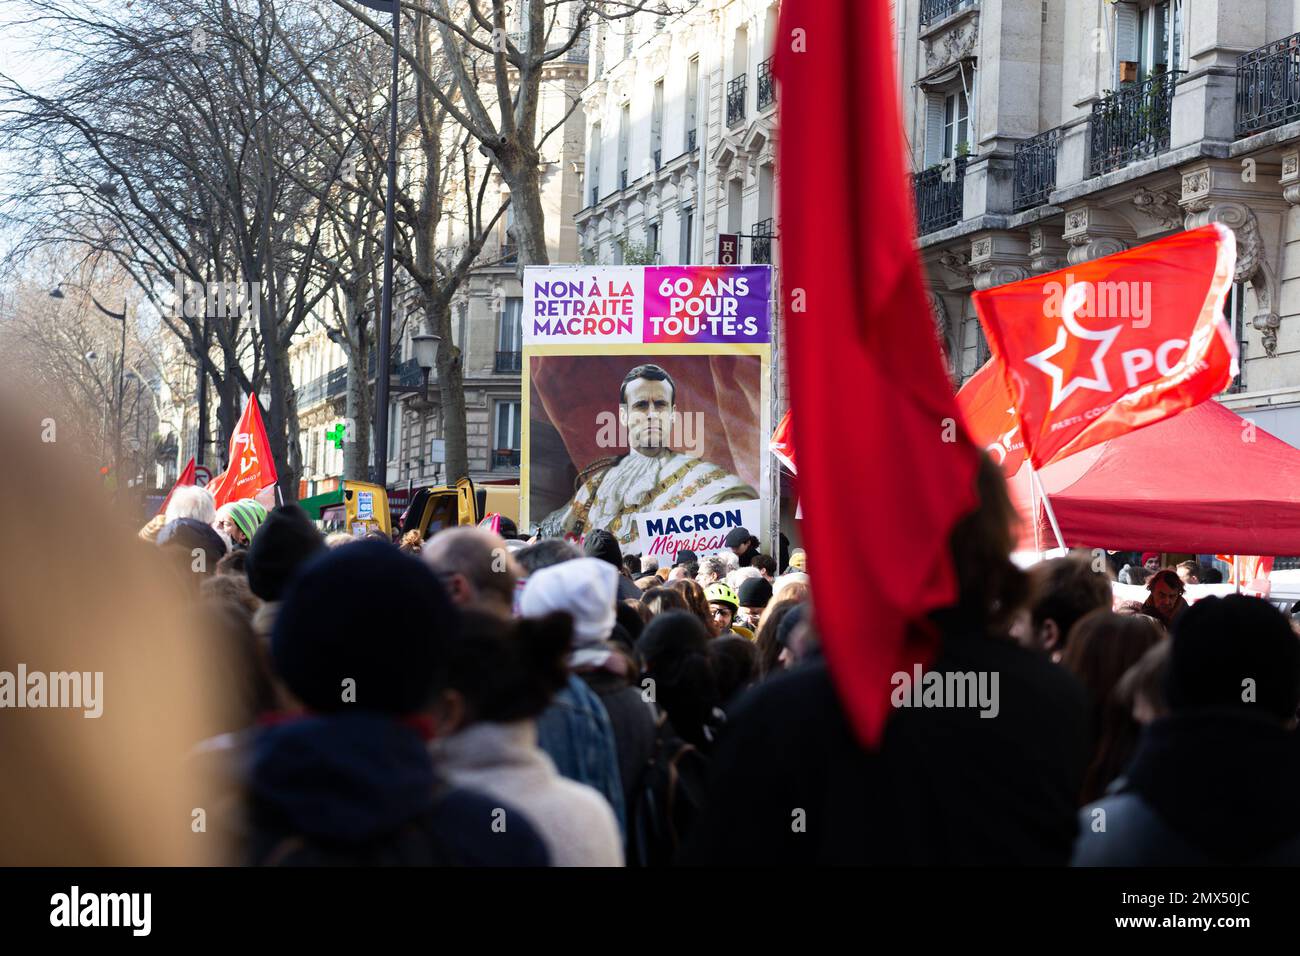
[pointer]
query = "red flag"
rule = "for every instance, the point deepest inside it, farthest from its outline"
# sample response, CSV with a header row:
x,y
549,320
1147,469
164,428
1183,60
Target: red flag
x,y
871,397
251,466
782,443
991,417
1099,349
187,478
1247,568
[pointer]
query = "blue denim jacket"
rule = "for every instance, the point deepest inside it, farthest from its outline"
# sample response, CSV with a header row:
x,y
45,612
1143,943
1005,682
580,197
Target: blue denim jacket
x,y
576,733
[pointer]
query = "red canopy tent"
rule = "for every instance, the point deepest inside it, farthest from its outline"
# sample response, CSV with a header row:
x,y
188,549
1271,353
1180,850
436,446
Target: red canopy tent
x,y
1194,483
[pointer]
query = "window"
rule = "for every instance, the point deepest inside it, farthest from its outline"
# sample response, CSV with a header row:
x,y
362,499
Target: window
x,y
394,433
505,441
593,168
627,37
954,124
652,240
734,206
598,66
1148,39
657,125
692,94
510,334
687,251
624,136
1234,310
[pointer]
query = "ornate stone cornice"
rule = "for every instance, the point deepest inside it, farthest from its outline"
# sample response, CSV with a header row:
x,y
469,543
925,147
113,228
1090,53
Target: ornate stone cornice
x,y
949,46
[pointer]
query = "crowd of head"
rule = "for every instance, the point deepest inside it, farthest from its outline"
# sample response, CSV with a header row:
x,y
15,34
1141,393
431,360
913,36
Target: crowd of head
x,y
559,691
477,698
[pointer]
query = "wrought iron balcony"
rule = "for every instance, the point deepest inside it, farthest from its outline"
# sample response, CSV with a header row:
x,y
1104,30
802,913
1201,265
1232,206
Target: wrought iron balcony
x,y
760,243
766,84
508,363
939,195
736,100
1268,86
1035,174
932,11
1131,124
509,253
333,383
505,458
408,373
690,140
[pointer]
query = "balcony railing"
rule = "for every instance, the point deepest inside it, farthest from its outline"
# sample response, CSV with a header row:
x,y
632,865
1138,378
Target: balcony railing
x,y
690,140
505,458
760,243
1035,169
933,11
1131,124
766,85
736,100
508,362
335,382
408,373
939,195
1268,86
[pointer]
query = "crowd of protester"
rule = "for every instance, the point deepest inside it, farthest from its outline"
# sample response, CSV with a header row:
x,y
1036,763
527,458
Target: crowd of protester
x,y
482,699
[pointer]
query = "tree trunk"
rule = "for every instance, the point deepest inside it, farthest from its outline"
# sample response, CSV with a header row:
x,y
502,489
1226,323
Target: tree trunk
x,y
521,176
451,387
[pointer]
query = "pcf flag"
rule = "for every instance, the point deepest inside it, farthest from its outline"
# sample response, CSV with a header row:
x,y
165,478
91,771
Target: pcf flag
x,y
1096,350
251,466
873,406
991,417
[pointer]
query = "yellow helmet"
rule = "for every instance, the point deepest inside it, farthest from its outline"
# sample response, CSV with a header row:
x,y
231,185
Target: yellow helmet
x,y
722,593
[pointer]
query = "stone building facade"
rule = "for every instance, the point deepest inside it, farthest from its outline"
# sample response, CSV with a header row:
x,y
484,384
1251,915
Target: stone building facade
x,y
1046,133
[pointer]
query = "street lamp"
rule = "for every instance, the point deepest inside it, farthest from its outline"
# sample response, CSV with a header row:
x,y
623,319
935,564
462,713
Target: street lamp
x,y
425,345
57,293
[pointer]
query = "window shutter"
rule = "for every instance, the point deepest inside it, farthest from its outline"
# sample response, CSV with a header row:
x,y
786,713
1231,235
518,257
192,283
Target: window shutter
x,y
933,130
1126,34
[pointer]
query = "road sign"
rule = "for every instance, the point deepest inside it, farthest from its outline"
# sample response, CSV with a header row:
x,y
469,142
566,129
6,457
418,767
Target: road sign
x,y
202,475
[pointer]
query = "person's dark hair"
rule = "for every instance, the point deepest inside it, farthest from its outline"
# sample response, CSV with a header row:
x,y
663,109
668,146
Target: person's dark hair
x,y
663,600
692,569
765,641
1064,590
632,615
765,563
509,530
1221,643
234,563
675,649
1101,647
1117,737
508,669
1194,567
378,536
545,553
991,589
1170,579
652,372
735,665
696,602
238,662
632,565
1212,576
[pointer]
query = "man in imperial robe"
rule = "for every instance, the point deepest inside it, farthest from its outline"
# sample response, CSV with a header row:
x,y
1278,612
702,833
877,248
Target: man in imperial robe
x,y
651,476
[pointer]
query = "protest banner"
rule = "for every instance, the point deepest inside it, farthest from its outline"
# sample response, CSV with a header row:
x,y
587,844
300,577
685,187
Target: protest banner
x,y
646,389
700,528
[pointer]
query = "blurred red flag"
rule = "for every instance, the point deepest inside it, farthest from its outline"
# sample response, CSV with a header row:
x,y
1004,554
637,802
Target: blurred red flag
x,y
1247,568
251,466
986,405
872,401
1096,350
187,477
782,443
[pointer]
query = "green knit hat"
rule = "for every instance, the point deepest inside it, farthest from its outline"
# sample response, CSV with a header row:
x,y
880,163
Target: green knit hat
x,y
248,516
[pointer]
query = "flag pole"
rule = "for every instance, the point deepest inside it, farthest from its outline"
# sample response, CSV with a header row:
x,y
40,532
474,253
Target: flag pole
x,y
1047,504
386,302
1033,511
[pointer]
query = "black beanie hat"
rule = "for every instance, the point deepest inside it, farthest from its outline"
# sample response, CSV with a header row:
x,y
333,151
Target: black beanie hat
x,y
792,619
736,537
370,614
755,592
684,557
285,540
601,544
190,534
1219,643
